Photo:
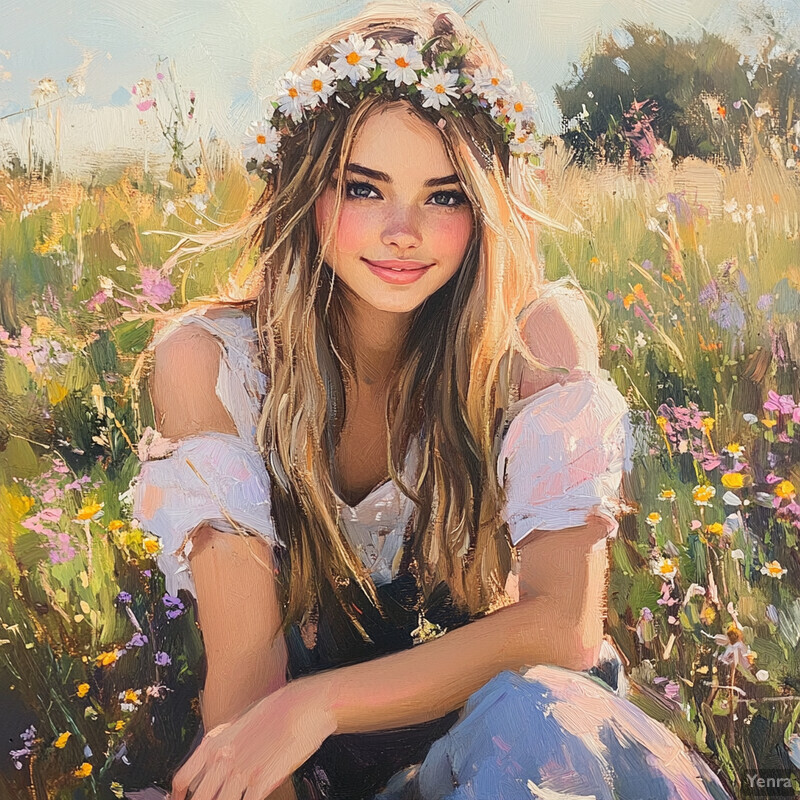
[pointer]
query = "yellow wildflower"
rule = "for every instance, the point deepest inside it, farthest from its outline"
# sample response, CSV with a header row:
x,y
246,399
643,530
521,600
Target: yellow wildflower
x,y
666,568
116,524
90,511
708,615
662,423
131,696
701,495
106,659
653,518
119,725
769,423
773,569
667,494
20,504
733,480
785,490
708,424
117,790
734,449
715,528
84,770
61,742
151,545
83,689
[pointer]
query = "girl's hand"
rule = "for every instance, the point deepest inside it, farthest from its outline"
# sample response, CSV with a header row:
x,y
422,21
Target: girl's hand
x,y
252,756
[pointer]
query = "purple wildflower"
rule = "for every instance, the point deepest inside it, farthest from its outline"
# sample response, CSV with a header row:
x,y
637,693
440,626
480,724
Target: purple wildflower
x,y
709,294
124,598
174,606
162,659
729,314
137,640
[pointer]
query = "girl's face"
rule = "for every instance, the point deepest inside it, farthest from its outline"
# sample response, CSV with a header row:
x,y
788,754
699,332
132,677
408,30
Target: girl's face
x,y
404,223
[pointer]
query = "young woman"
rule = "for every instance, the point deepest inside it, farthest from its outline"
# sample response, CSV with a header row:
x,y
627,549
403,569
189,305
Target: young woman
x,y
406,440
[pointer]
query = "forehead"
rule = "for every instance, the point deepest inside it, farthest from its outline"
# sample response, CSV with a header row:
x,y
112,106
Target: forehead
x,y
397,141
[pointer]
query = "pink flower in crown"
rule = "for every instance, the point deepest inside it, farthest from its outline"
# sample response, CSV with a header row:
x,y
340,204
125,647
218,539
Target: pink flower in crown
x,y
355,58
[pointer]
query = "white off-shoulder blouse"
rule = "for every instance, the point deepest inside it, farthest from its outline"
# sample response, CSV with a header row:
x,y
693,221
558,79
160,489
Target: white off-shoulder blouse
x,y
561,460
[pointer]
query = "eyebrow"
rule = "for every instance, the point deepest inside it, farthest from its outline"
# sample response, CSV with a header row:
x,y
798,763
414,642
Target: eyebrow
x,y
382,176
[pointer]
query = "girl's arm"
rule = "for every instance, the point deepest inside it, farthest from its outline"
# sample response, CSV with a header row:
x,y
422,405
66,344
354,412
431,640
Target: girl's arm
x,y
233,574
560,622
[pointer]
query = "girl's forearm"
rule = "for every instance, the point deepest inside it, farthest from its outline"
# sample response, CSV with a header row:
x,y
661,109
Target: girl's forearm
x,y
433,679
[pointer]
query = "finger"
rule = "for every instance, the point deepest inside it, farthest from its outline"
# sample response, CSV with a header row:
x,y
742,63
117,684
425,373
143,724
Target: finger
x,y
187,775
210,784
233,789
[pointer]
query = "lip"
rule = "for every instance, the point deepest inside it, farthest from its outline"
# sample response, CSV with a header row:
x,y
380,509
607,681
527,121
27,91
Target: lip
x,y
398,271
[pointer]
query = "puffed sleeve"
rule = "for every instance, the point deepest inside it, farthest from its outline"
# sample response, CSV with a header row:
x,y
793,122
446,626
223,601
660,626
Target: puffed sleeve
x,y
563,456
214,478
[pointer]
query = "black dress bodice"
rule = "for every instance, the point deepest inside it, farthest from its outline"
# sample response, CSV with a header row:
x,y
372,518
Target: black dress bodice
x,y
356,766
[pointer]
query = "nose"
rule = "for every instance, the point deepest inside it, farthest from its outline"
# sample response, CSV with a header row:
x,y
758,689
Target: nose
x,y
402,231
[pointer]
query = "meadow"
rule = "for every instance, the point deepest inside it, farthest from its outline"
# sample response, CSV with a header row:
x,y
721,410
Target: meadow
x,y
693,274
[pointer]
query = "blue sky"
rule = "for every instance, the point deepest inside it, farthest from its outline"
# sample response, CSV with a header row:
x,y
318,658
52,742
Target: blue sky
x,y
231,51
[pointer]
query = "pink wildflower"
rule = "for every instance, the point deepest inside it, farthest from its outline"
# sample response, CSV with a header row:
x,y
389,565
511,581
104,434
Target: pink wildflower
x,y
155,287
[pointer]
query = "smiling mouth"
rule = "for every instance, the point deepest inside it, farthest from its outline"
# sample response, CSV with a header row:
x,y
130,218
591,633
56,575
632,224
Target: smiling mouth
x,y
399,266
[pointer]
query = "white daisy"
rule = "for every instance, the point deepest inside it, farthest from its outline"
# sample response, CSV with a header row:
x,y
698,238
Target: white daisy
x,y
524,143
261,142
492,84
355,58
520,105
317,83
401,62
290,95
437,88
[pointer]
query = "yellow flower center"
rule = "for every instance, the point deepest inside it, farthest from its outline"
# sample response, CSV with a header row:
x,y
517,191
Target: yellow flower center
x,y
316,85
667,567
261,139
519,107
292,92
439,89
353,58
774,568
401,62
495,81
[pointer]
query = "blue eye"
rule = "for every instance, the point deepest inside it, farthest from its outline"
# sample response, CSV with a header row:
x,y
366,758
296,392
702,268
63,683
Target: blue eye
x,y
448,199
361,191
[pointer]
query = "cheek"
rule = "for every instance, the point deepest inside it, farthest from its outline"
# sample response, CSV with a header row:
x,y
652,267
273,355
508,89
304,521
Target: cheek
x,y
450,235
358,230
355,229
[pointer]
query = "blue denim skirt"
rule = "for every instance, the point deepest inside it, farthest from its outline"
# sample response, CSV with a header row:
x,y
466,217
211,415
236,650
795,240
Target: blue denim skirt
x,y
552,734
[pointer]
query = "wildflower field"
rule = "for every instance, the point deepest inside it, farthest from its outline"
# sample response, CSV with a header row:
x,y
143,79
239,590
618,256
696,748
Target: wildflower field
x,y
693,272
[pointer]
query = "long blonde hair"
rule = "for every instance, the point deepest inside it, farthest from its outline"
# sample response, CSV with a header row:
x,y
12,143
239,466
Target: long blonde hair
x,y
451,389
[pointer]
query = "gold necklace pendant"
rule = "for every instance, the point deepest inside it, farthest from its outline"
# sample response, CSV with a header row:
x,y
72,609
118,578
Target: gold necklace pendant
x,y
426,631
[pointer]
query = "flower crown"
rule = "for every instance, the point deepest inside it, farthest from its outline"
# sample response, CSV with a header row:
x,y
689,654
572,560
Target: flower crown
x,y
356,68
